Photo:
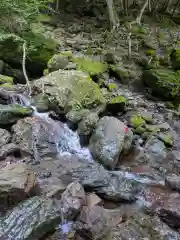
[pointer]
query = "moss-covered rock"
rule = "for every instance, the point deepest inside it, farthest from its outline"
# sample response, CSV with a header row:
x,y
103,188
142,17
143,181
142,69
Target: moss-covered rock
x,y
5,79
147,117
16,74
163,82
12,112
41,102
136,121
166,138
92,67
71,89
140,130
112,86
39,51
175,58
117,104
59,61
120,72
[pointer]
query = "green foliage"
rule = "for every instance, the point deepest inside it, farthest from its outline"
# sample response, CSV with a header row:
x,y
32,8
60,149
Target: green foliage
x,y
136,121
18,14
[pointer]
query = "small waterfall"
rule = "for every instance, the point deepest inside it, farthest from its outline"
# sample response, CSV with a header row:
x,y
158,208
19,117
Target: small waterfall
x,y
67,141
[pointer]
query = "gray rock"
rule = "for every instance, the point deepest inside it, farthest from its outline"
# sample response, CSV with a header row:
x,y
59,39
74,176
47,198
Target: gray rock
x,y
108,141
87,125
93,223
16,183
30,220
173,181
108,185
140,226
72,199
5,137
9,150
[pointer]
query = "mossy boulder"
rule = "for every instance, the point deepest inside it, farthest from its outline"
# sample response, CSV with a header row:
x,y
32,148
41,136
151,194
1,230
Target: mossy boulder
x,y
175,58
71,90
117,104
5,79
136,121
39,51
120,72
12,112
92,67
163,82
41,102
59,61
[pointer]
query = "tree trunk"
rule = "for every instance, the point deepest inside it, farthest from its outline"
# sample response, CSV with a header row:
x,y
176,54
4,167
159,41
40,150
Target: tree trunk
x,y
112,18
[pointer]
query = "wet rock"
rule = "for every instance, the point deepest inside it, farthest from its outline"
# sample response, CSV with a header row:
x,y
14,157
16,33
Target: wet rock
x,y
12,112
10,149
5,137
93,223
40,136
173,181
16,183
14,73
41,102
92,176
71,90
31,219
141,226
72,200
108,141
87,125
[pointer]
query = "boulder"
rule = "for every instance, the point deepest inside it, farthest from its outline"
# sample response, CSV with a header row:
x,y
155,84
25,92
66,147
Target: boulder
x,y
5,137
93,223
72,200
5,79
31,219
11,113
108,141
173,181
58,61
141,226
71,90
113,186
16,183
164,82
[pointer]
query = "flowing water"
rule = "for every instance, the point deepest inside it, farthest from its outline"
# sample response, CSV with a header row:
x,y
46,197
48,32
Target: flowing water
x,y
67,141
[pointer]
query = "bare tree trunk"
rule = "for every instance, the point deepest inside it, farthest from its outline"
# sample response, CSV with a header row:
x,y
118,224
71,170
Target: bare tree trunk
x,y
24,69
112,18
57,5
139,17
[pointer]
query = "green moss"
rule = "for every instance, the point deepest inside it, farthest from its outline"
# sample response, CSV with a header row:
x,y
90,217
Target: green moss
x,y
170,105
166,138
5,79
40,48
90,66
8,86
136,121
152,128
120,72
147,117
112,86
140,130
46,72
119,99
58,61
44,18
150,52
136,29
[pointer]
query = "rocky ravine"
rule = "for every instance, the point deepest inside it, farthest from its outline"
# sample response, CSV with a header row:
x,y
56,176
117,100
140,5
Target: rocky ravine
x,y
85,158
